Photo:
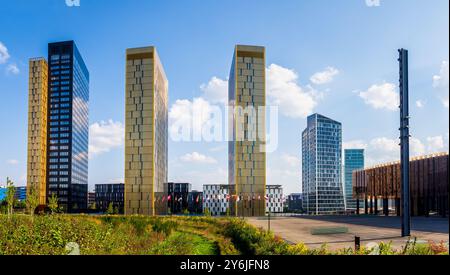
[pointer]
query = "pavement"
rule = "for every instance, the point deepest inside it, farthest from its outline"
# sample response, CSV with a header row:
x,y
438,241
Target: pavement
x,y
369,228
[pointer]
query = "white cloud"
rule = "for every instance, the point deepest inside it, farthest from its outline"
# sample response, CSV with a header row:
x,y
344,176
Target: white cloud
x,y
216,90
13,162
324,77
420,104
373,3
105,136
354,144
284,92
291,160
382,149
12,69
4,55
417,147
382,96
440,82
198,158
188,119
436,144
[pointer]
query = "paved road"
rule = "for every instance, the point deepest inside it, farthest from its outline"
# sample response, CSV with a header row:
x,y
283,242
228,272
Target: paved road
x,y
369,228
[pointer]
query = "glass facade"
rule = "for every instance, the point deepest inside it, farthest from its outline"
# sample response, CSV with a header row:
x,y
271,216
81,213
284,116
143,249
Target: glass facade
x,y
321,169
68,125
354,160
247,157
146,133
37,128
105,194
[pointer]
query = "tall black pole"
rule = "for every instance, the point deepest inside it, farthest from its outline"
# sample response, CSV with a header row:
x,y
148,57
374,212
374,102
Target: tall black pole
x,y
404,138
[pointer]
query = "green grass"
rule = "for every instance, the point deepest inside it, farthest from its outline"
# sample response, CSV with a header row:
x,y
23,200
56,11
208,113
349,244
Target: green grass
x,y
138,235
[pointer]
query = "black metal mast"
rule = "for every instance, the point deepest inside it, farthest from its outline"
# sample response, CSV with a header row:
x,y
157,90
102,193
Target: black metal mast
x,y
404,144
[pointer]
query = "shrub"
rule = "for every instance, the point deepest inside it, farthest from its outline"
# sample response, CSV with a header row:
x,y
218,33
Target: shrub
x,y
164,227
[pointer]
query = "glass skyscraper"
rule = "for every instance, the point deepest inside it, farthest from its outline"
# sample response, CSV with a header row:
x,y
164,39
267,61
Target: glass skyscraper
x,y
354,160
68,126
322,162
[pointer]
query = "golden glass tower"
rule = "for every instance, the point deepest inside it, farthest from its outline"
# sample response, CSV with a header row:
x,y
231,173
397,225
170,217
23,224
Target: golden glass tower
x,y
247,157
37,128
146,133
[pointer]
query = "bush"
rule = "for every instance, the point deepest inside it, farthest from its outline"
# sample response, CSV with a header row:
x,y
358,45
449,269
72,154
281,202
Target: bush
x,y
164,227
252,241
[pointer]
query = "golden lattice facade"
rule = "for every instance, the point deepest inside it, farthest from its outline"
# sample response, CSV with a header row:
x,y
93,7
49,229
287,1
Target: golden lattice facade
x,y
146,133
37,127
247,157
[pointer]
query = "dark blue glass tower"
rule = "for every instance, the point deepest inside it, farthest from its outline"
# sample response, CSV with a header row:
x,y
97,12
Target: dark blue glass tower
x,y
68,129
354,160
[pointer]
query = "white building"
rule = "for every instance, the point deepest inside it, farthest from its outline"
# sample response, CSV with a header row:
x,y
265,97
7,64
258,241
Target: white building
x,y
274,199
216,199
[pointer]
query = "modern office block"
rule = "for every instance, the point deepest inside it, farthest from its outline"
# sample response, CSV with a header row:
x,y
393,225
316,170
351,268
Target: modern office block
x,y
295,203
216,199
20,193
195,202
354,160
37,128
91,199
274,201
146,133
321,169
105,194
68,126
247,157
179,196
429,180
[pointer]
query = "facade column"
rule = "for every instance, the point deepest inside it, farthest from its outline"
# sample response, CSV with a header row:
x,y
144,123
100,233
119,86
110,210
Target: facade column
x,y
386,207
357,206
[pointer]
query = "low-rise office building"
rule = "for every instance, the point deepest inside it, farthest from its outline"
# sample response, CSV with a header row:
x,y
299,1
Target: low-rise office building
x,y
274,200
376,188
295,203
105,194
216,199
91,199
195,202
178,193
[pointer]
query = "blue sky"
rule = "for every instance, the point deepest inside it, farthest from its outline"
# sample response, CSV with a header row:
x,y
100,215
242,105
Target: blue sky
x,y
337,58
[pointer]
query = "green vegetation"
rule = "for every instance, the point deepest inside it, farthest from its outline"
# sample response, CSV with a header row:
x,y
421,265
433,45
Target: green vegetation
x,y
138,235
53,203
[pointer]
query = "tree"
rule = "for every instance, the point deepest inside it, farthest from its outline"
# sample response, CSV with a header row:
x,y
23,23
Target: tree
x,y
53,203
207,213
116,210
10,196
228,212
110,210
32,201
93,206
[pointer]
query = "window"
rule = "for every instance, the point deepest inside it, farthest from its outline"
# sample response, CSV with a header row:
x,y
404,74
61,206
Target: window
x,y
54,57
